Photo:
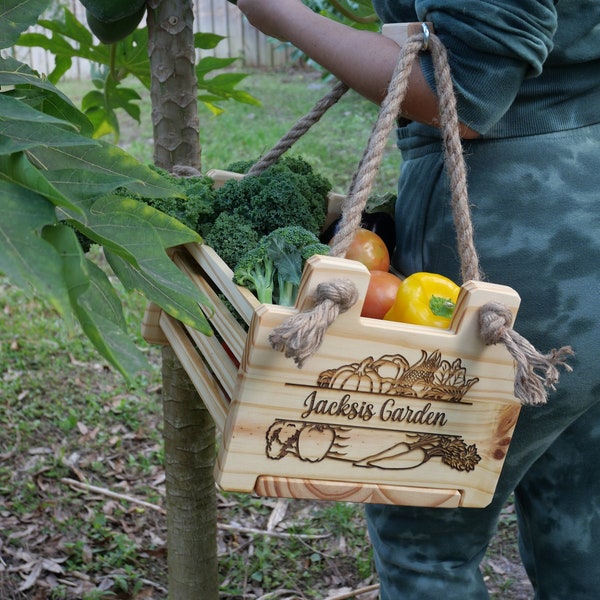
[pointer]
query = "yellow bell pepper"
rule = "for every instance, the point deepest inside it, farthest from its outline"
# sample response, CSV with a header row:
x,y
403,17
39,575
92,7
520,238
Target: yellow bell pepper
x,y
425,299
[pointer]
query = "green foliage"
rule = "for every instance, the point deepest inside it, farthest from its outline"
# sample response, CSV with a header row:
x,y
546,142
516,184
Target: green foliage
x,y
243,219
17,17
193,206
288,192
68,38
53,174
231,237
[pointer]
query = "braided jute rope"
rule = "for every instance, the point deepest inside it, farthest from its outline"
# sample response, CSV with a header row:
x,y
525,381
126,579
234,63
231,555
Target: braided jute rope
x,y
301,335
299,129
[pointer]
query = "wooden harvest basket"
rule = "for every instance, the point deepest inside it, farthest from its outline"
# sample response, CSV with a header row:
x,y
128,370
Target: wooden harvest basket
x,y
384,412
381,412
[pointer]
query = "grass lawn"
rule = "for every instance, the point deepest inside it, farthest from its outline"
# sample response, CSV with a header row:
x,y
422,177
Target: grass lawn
x,y
67,419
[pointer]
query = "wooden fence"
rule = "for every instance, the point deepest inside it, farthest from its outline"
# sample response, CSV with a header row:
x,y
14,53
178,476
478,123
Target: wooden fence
x,y
210,16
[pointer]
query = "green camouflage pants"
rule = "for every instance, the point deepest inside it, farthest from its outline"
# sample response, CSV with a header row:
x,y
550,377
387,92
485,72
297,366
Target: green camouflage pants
x,y
536,211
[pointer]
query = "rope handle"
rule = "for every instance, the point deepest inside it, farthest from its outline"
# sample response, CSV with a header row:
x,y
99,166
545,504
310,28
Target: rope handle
x,y
301,335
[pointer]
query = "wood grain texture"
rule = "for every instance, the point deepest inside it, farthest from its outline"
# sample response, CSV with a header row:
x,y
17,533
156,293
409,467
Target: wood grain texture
x,y
381,404
337,491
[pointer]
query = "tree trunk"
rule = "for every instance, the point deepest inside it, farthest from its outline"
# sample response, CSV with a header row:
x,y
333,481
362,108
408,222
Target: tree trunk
x,y
189,435
189,431
174,88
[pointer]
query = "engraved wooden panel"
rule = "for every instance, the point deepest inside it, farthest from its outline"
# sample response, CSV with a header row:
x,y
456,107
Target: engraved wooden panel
x,y
380,404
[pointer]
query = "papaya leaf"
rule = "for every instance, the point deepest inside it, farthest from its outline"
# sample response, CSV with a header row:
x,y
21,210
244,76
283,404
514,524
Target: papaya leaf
x,y
170,231
40,94
69,27
207,41
211,63
13,72
61,65
124,226
16,16
96,305
70,39
13,109
222,87
167,287
97,109
16,136
125,98
74,267
86,172
28,260
17,169
114,344
50,103
135,236
100,105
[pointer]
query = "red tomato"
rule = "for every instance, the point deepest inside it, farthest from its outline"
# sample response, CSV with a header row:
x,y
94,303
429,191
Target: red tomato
x,y
369,249
381,294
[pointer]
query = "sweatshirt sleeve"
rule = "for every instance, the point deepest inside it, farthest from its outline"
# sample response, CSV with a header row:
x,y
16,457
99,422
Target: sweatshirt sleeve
x,y
493,45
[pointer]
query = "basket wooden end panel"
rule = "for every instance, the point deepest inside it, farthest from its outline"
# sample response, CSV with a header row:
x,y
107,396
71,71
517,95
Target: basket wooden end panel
x,y
221,320
340,491
151,329
379,404
220,176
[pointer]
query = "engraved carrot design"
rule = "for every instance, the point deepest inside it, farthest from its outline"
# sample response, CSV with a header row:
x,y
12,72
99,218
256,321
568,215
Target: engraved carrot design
x,y
409,455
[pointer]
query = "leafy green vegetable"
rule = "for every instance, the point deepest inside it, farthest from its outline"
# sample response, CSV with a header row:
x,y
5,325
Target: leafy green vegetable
x,y
194,206
289,248
231,237
244,218
287,193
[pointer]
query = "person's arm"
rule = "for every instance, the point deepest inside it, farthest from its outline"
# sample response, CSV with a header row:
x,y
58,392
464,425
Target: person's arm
x,y
363,60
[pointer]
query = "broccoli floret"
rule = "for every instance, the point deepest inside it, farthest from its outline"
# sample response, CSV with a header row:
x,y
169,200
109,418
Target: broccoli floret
x,y
314,248
287,193
289,248
255,271
273,268
231,237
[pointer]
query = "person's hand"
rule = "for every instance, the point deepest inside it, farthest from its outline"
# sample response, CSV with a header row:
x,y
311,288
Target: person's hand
x,y
273,17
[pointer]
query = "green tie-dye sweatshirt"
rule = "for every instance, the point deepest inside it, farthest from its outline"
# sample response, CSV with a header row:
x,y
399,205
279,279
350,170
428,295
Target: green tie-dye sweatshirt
x,y
520,67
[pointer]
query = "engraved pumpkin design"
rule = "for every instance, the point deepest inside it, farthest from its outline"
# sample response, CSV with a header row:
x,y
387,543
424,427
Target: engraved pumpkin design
x,y
429,378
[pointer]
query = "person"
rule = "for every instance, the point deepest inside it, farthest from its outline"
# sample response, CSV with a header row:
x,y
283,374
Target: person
x,y
527,79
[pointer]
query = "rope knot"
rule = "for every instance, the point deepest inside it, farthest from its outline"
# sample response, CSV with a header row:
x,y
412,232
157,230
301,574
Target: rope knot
x,y
340,292
301,335
494,321
536,373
